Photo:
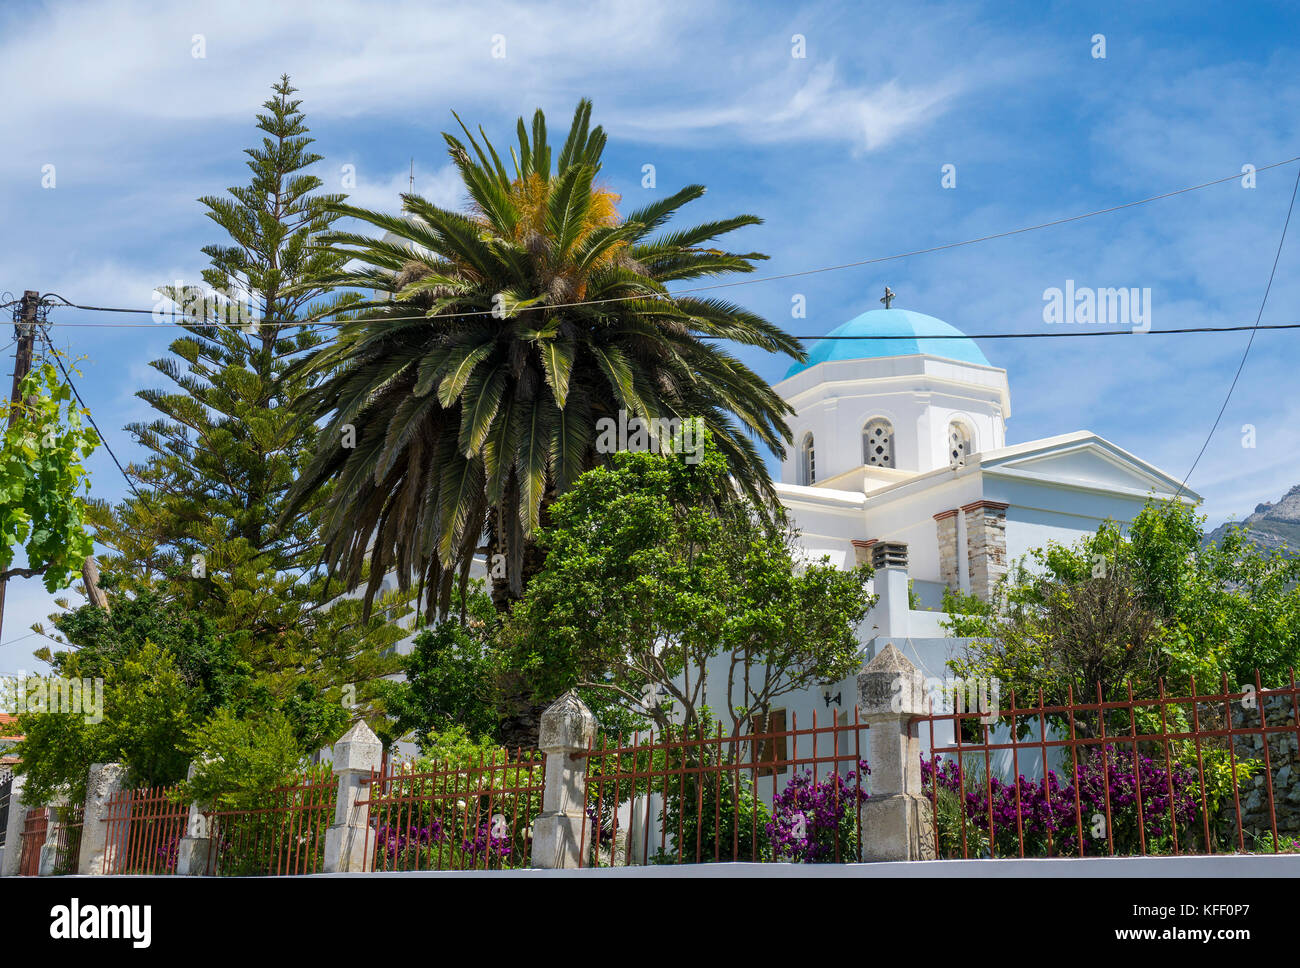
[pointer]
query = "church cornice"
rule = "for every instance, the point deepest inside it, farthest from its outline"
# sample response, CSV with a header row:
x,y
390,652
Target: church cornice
x,y
982,505
918,381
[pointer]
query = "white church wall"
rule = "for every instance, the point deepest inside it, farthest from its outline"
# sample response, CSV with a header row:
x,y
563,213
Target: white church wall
x,y
1040,513
909,517
828,522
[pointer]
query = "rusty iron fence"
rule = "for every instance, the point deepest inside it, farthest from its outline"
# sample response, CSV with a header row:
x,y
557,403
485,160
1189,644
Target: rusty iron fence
x,y
67,837
752,796
143,829
448,816
35,826
1195,774
283,835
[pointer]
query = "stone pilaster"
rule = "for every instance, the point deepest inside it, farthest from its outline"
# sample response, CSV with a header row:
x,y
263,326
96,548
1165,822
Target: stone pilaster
x,y
355,756
986,545
13,849
100,852
194,854
946,524
49,855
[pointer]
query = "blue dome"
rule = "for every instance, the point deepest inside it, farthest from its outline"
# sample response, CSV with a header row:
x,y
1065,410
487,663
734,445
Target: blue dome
x,y
915,328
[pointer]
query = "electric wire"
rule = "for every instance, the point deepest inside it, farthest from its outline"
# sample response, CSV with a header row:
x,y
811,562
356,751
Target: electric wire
x,y
89,416
1062,334
759,279
1249,343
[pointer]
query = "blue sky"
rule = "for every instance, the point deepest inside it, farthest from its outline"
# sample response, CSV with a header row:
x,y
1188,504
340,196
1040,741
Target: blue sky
x,y
840,152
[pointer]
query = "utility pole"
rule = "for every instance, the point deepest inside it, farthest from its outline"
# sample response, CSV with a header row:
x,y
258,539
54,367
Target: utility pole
x,y
25,334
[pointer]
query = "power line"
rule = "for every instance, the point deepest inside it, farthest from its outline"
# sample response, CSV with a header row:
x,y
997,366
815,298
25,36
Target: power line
x,y
89,416
21,637
739,282
1065,335
1242,365
1062,334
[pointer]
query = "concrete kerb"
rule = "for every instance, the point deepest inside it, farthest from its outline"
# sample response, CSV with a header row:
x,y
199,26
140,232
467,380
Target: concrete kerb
x,y
1224,866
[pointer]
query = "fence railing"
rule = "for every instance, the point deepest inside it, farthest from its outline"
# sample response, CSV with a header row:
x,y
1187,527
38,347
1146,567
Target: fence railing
x,y
1200,773
284,836
754,796
144,827
35,826
476,816
1193,774
67,837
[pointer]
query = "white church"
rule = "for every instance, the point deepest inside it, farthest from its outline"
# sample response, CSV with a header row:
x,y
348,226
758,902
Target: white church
x,y
901,460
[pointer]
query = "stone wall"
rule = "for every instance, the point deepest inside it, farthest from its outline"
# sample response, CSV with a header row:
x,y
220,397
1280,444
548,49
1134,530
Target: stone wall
x,y
1284,758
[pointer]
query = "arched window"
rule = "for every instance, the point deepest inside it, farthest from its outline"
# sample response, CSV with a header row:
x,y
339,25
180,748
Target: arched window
x,y
807,462
958,443
878,443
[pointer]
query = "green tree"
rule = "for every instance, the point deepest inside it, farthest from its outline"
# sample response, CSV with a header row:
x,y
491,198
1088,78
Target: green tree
x,y
547,312
151,653
450,678
104,640
148,711
207,525
1137,607
651,573
43,483
1228,608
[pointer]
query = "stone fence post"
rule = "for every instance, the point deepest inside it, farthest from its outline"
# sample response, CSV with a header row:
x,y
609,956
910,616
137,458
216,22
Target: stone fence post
x,y
105,780
194,854
567,729
13,849
897,820
49,855
356,754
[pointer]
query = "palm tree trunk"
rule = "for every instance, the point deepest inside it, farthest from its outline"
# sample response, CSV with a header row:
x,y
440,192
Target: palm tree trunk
x,y
521,708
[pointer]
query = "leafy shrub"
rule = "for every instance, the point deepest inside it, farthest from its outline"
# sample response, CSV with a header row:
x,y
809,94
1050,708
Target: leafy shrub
x,y
452,810
239,762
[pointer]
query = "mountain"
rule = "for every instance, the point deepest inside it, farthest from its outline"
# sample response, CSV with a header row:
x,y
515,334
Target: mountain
x,y
1271,526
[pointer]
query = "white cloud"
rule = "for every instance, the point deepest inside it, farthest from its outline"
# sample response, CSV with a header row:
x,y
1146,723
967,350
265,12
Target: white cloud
x,y
442,186
822,107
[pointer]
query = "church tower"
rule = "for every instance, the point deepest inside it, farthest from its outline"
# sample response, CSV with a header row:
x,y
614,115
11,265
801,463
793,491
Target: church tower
x,y
889,395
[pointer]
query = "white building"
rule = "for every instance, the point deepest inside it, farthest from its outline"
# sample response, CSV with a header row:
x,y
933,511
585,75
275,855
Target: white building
x,y
901,459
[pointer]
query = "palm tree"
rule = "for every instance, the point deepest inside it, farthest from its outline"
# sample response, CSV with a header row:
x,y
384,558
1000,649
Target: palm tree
x,y
471,385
